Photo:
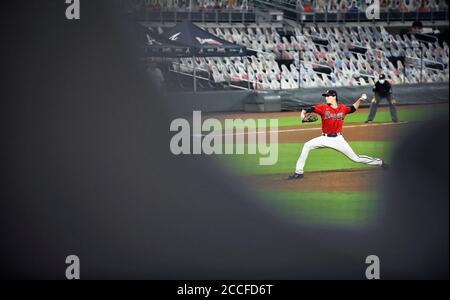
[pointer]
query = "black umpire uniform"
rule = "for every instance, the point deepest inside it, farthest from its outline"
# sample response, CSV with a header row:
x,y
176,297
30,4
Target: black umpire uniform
x,y
382,90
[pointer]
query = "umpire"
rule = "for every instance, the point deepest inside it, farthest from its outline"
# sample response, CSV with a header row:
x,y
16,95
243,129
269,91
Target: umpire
x,y
382,90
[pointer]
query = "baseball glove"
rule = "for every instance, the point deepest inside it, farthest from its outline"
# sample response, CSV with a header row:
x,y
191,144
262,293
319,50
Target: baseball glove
x,y
309,118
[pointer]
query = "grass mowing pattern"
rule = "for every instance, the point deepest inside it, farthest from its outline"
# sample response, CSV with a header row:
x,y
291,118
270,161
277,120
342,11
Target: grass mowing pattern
x,y
404,115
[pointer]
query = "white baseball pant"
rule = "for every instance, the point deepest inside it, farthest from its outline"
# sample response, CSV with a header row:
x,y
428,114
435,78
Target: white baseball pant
x,y
337,143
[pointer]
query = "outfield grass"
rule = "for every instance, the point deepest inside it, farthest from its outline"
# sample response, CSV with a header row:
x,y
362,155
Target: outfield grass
x,y
318,159
405,115
345,209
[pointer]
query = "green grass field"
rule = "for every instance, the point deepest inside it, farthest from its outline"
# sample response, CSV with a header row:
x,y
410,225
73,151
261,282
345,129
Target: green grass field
x,y
335,209
349,209
407,114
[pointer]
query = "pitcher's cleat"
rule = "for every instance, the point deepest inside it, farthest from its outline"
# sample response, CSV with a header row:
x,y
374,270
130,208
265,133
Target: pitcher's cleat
x,y
295,176
368,122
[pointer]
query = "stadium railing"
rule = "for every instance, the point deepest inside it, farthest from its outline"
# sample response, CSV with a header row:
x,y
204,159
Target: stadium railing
x,y
251,16
196,15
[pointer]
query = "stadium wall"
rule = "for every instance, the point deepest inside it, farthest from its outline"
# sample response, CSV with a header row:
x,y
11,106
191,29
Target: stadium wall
x,y
235,101
404,94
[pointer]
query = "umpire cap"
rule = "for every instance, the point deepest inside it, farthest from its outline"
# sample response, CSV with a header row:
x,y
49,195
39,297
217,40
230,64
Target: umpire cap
x,y
330,93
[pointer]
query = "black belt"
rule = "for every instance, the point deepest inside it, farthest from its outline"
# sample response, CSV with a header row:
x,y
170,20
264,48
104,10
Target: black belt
x,y
331,134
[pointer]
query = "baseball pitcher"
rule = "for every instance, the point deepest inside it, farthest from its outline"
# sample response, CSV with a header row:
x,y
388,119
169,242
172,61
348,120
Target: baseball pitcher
x,y
332,115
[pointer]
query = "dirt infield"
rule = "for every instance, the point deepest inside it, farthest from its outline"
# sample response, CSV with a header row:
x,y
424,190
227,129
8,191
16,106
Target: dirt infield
x,y
324,181
354,132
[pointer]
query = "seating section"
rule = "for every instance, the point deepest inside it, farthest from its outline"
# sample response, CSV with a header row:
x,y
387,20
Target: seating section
x,y
330,56
361,6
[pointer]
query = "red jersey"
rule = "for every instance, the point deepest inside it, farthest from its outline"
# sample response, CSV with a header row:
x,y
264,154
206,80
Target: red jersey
x,y
332,118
